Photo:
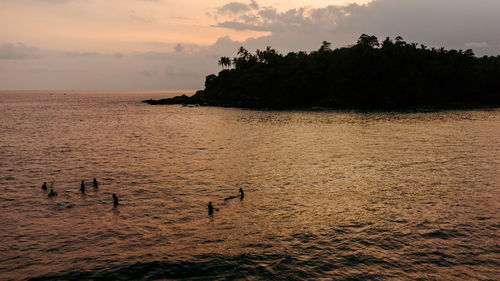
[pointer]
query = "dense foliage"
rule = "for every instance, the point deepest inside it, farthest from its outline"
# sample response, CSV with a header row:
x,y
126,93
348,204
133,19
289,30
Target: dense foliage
x,y
369,74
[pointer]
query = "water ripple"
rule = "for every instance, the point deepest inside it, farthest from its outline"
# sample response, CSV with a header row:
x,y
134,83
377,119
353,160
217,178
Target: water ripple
x,y
328,195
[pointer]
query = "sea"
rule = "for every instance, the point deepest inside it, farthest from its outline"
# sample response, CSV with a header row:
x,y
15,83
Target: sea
x,y
328,194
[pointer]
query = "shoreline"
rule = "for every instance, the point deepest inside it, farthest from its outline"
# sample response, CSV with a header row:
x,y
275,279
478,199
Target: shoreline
x,y
430,108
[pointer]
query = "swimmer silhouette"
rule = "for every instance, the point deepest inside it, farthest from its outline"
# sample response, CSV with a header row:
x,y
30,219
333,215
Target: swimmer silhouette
x,y
96,184
52,193
82,187
115,200
44,186
210,208
236,196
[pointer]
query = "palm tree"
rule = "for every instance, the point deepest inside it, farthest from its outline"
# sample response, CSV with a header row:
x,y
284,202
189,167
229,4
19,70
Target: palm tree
x,y
325,46
225,62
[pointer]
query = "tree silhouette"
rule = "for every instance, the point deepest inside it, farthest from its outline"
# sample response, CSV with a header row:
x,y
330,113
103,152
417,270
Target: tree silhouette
x,y
225,62
325,46
391,75
366,40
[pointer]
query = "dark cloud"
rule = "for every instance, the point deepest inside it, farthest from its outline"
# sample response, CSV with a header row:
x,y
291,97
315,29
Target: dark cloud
x,y
269,19
449,23
253,5
457,24
235,8
434,22
18,51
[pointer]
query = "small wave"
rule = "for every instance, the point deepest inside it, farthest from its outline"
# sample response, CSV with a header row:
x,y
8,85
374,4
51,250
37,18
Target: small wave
x,y
443,234
222,267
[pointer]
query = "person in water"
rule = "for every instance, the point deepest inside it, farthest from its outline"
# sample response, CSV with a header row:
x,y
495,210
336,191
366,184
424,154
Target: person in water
x,y
115,200
210,208
96,184
236,196
82,187
44,186
242,194
52,193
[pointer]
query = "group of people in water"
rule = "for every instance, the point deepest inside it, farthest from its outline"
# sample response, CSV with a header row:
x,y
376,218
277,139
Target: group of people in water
x,y
211,208
95,183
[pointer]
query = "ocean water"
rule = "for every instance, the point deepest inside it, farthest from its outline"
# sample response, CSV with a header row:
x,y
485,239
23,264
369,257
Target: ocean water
x,y
333,195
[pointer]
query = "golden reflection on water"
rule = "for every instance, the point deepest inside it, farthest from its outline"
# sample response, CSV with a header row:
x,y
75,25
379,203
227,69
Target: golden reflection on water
x,y
327,194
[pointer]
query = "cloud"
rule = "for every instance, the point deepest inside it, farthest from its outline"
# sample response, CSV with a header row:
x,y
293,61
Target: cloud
x,y
81,54
233,8
179,71
186,48
109,71
18,51
482,48
477,45
269,19
449,23
224,46
253,5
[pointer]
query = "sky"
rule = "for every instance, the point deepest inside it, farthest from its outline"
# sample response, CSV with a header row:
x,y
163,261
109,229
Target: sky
x,y
165,44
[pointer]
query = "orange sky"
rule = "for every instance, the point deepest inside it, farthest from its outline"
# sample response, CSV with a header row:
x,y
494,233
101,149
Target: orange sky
x,y
172,44
123,25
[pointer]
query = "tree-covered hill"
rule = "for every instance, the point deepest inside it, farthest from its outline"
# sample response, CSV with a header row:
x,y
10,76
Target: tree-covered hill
x,y
368,75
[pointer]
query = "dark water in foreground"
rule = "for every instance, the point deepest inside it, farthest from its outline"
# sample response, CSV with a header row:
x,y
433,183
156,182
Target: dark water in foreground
x,y
333,195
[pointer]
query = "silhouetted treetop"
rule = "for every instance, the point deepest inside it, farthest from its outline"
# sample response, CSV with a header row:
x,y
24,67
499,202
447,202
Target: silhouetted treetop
x,y
325,46
370,41
388,75
225,62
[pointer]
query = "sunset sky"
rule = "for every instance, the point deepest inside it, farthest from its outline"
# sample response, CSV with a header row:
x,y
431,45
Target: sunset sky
x,y
164,44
